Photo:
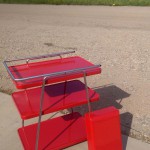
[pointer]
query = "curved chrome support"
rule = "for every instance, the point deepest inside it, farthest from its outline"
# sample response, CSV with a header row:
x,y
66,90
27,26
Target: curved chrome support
x,y
40,113
87,92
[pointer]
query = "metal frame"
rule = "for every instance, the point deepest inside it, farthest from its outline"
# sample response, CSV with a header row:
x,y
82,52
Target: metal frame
x,y
83,70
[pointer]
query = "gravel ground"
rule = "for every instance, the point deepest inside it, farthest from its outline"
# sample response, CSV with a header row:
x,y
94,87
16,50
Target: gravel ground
x,y
118,38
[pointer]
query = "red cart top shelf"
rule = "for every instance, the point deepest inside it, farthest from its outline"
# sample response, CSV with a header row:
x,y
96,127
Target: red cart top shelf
x,y
31,74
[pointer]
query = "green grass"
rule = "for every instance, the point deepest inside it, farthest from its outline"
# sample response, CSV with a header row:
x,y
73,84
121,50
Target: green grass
x,y
82,2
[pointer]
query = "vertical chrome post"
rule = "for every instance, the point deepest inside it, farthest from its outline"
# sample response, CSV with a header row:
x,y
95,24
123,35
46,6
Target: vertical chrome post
x,y
40,114
60,56
87,92
27,61
22,123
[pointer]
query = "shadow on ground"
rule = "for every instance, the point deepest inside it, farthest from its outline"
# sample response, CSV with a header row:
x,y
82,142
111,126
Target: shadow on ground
x,y
126,122
110,95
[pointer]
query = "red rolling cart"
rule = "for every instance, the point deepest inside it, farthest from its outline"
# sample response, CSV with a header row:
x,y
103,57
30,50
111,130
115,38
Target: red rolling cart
x,y
49,86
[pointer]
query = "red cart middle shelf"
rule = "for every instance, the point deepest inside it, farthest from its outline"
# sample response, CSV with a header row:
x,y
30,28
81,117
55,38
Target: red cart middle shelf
x,y
56,97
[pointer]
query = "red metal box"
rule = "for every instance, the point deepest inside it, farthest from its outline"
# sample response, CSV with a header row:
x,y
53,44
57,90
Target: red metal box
x,y
103,129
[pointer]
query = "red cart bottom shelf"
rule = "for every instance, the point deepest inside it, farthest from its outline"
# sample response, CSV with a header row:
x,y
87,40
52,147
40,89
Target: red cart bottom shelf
x,y
55,134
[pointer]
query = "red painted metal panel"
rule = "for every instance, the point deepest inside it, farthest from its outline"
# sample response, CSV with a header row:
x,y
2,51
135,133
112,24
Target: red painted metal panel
x,y
56,97
103,129
51,66
55,134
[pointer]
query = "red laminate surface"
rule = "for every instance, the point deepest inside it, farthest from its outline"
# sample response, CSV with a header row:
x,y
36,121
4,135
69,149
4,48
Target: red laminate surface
x,y
49,67
55,134
103,129
56,97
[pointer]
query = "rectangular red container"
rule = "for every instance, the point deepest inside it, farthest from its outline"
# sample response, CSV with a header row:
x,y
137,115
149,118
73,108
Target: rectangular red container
x,y
103,129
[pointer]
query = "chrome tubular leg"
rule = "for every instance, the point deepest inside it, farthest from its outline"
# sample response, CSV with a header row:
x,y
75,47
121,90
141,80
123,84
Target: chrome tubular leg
x,y
22,123
27,61
60,56
87,92
40,114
